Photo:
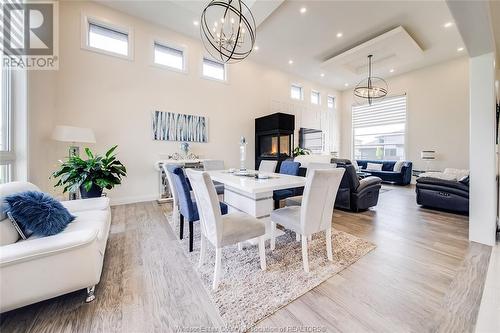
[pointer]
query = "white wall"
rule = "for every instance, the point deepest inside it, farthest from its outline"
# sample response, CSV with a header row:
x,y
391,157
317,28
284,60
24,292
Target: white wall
x,y
483,165
437,114
115,97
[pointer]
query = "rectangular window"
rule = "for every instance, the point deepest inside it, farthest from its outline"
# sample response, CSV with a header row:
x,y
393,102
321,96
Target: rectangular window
x,y
379,129
296,92
104,38
7,157
315,97
214,70
169,57
331,102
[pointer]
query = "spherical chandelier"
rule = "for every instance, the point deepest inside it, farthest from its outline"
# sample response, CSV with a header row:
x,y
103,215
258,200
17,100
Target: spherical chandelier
x,y
227,29
372,88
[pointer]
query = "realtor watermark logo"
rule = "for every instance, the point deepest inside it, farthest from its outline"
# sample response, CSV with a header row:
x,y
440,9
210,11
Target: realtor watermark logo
x,y
29,34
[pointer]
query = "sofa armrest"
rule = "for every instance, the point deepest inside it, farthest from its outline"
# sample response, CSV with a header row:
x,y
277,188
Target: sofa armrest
x,y
31,249
368,181
406,171
81,205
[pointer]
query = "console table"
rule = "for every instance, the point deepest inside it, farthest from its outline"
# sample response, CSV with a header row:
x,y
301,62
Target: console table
x,y
164,192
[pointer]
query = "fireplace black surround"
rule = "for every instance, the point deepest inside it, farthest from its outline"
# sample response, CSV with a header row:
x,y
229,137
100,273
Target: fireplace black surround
x,y
274,138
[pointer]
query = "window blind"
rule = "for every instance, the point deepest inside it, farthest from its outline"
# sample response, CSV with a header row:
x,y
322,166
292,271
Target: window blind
x,y
107,39
107,32
214,69
169,56
391,110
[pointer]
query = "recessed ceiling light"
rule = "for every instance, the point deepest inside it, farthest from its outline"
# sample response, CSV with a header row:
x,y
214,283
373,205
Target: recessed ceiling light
x,y
322,75
256,47
290,62
448,24
346,84
460,49
339,34
196,23
391,70
303,10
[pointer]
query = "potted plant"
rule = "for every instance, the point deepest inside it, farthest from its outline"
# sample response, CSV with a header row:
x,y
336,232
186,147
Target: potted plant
x,y
300,151
92,175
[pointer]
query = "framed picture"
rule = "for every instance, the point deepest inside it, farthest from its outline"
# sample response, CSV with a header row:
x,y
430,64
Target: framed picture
x,y
169,126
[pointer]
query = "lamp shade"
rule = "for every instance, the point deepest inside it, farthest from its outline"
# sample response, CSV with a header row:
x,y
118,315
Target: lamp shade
x,y
73,134
428,154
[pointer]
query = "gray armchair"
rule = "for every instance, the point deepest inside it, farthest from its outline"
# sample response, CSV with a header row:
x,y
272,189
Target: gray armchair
x,y
355,194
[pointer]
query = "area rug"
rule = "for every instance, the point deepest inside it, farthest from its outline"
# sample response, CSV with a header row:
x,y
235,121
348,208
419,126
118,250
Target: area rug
x,y
247,295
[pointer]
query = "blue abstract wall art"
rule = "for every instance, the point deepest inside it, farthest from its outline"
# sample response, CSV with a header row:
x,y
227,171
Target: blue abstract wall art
x,y
169,126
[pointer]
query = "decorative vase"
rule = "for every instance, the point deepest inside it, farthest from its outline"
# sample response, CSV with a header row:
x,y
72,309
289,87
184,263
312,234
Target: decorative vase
x,y
184,148
243,153
94,192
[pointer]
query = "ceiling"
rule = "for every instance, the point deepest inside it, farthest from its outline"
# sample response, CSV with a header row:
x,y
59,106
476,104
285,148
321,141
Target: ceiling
x,y
310,39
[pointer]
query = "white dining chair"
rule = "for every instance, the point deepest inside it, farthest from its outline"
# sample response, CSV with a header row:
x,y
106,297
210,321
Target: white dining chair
x,y
297,200
222,230
209,165
315,213
268,166
175,199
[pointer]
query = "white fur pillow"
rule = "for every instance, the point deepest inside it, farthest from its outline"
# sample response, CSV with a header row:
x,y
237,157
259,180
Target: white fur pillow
x,y
374,166
355,165
457,173
438,175
398,166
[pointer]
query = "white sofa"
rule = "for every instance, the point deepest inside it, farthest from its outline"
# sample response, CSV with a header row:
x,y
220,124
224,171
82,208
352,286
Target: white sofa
x,y
37,269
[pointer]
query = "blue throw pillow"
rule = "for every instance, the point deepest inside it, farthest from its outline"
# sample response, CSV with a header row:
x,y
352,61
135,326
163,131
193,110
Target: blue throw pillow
x,y
37,213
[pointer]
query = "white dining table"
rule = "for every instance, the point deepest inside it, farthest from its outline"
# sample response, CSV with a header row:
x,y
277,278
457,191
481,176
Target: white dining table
x,y
254,196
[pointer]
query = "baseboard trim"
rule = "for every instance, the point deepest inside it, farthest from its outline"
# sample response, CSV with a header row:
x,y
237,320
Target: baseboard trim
x,y
130,200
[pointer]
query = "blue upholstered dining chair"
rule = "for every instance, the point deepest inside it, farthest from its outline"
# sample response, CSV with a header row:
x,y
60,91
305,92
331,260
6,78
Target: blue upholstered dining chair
x,y
187,207
287,168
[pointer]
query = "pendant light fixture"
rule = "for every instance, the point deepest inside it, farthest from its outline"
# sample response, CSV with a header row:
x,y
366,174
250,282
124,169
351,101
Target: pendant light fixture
x,y
228,30
372,88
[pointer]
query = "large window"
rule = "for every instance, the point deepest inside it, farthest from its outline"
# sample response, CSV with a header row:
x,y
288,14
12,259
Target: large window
x,y
379,129
214,70
7,157
105,38
168,56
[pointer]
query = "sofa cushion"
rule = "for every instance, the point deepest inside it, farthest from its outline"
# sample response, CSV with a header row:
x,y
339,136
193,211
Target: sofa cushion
x,y
8,233
38,213
92,219
374,166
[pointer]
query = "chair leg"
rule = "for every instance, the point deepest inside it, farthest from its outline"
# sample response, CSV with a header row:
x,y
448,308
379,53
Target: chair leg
x,y
203,245
262,252
218,266
90,294
273,235
297,237
175,215
240,246
181,227
305,259
191,236
276,204
329,251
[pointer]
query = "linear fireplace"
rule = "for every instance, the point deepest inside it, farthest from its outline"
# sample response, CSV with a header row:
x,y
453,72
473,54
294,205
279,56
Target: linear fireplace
x,y
274,138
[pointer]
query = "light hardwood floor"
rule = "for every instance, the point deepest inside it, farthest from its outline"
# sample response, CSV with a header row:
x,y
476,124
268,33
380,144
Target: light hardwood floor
x,y
402,286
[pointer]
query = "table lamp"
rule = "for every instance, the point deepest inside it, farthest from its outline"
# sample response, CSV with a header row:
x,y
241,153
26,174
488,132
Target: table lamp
x,y
74,135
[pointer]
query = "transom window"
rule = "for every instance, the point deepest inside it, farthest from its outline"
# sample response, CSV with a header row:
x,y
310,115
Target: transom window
x,y
106,38
330,102
214,70
379,129
296,92
169,56
315,97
